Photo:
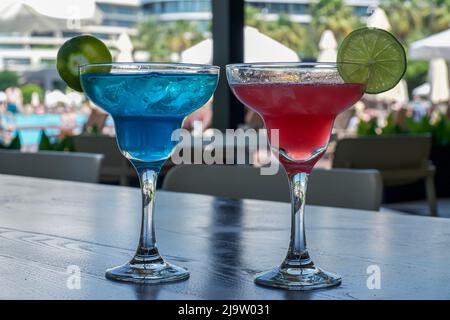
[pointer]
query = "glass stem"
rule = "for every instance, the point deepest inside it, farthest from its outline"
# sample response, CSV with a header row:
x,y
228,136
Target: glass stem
x,y
297,256
147,251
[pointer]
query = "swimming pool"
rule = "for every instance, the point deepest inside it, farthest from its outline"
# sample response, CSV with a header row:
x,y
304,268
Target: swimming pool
x,y
33,136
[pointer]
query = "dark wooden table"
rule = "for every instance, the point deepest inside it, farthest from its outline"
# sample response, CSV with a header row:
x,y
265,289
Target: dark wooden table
x,y
48,225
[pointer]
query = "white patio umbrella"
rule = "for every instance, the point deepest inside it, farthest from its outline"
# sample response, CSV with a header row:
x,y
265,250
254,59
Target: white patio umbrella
x,y
438,77
397,94
3,97
74,99
35,101
199,53
379,19
20,17
141,55
53,98
258,47
328,47
63,9
125,47
423,90
435,46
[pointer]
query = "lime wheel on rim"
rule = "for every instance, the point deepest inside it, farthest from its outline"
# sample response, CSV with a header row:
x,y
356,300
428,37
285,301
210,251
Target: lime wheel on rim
x,y
372,56
80,50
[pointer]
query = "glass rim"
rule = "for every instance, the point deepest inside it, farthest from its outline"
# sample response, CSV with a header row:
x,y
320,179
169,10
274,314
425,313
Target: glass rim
x,y
156,66
290,65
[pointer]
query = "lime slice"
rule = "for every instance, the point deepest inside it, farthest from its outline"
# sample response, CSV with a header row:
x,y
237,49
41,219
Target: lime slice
x,y
372,56
79,51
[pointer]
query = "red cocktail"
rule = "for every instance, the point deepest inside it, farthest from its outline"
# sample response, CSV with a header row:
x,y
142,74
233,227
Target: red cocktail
x,y
301,101
302,112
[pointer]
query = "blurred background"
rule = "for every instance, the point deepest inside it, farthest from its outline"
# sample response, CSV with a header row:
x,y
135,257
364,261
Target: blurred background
x,y
38,111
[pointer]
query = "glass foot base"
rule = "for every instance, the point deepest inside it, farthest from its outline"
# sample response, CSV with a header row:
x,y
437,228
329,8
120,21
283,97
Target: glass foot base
x,y
298,278
154,272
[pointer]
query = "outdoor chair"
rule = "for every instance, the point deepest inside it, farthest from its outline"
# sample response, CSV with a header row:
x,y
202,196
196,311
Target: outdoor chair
x,y
400,159
115,167
357,189
74,166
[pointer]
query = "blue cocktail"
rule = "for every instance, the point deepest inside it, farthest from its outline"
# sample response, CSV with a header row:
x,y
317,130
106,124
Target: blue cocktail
x,y
148,102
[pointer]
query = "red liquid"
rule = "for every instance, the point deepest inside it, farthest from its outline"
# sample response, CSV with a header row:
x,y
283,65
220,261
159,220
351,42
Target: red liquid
x,y
303,113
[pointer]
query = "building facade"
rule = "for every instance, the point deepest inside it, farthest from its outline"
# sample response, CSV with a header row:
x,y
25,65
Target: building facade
x,y
200,10
36,50
33,50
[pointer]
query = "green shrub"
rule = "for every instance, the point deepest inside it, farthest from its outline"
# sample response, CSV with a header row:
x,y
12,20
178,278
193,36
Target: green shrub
x,y
15,143
29,89
367,128
439,128
391,126
63,144
8,79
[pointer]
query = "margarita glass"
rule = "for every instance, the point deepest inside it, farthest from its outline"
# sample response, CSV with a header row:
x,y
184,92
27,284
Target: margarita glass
x,y
148,102
300,101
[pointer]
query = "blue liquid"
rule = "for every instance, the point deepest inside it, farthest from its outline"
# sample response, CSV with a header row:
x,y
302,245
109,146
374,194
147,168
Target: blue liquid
x,y
148,107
